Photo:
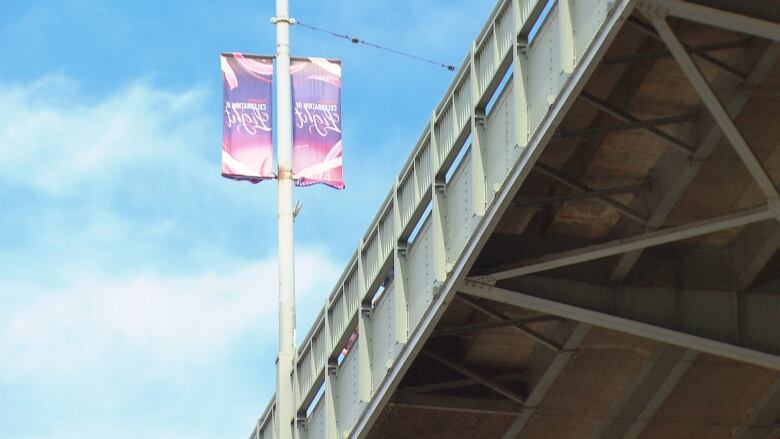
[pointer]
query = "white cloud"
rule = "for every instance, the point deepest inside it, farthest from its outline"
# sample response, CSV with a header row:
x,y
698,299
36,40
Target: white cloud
x,y
130,279
162,319
104,287
127,182
54,139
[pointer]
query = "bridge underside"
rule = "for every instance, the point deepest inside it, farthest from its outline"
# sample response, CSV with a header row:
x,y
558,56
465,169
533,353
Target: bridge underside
x,y
632,286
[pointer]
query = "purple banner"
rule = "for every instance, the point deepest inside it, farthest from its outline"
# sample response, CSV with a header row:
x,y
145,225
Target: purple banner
x,y
247,143
316,89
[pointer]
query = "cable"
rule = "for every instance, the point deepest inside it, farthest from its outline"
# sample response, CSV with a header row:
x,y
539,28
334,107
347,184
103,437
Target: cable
x,y
355,40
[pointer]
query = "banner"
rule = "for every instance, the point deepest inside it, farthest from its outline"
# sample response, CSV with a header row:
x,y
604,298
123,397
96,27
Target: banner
x,y
316,90
247,143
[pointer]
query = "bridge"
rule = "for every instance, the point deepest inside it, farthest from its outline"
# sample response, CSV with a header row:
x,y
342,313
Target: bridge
x,y
582,243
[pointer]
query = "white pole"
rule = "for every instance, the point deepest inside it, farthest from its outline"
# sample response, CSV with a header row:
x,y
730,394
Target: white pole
x,y
284,388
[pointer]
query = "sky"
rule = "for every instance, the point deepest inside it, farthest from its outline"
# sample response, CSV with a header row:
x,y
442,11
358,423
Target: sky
x,y
137,286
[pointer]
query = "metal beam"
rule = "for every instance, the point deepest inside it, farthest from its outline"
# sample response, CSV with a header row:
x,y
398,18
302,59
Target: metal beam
x,y
551,373
487,382
717,110
672,183
616,247
518,173
752,249
621,324
646,394
694,50
719,18
454,403
764,418
516,323
625,116
648,30
580,196
580,187
634,125
745,320
525,330
458,384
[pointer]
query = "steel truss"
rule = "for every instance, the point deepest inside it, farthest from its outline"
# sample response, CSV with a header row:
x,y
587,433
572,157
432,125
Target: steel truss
x,y
633,325
340,397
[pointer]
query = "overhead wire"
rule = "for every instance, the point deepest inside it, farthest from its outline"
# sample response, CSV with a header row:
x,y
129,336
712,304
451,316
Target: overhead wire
x,y
356,40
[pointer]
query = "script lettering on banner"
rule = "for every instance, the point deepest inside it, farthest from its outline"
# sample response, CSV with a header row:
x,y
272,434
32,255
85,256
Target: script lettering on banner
x,y
247,140
316,90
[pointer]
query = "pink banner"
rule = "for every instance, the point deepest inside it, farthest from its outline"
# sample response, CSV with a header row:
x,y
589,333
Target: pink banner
x,y
247,143
316,89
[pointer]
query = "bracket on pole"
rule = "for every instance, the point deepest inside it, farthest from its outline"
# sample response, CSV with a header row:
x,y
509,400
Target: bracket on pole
x,y
288,20
297,209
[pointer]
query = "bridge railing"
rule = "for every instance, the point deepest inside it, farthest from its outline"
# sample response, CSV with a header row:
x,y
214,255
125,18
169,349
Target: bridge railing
x,y
457,166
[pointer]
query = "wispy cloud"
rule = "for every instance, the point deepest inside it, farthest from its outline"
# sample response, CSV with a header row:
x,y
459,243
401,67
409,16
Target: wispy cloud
x,y
166,320
55,140
128,182
134,279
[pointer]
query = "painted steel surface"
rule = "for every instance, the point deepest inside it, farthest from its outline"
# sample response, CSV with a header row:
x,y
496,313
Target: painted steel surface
x,y
452,181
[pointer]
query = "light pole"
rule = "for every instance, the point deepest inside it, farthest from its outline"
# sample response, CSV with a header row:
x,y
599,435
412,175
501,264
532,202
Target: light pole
x,y
284,365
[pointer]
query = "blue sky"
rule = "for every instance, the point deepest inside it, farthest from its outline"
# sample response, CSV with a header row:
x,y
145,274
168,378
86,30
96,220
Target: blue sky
x,y
138,287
